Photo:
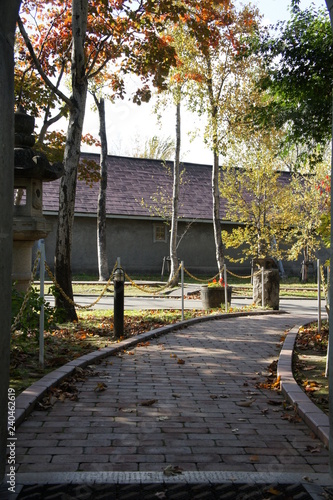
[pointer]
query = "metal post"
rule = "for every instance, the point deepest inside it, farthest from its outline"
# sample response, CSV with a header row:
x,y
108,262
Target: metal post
x,y
118,303
262,287
182,280
225,287
329,4
319,295
328,291
41,294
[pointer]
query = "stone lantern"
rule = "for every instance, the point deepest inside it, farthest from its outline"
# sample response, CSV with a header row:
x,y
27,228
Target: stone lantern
x,y
31,169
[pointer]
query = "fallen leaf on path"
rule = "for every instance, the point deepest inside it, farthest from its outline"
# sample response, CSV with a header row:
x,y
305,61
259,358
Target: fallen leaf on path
x,y
294,418
100,387
181,361
244,403
273,402
172,470
143,344
149,402
313,449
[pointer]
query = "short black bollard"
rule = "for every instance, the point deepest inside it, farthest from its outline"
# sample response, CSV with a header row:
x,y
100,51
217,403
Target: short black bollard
x,y
118,304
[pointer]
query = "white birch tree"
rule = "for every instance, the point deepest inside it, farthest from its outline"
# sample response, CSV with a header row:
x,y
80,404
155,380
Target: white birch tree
x,y
103,265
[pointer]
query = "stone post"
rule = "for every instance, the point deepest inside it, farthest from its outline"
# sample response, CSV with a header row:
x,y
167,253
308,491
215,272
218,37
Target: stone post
x,y
271,285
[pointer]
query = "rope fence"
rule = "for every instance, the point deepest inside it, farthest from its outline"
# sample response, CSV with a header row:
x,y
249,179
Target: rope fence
x,y
72,302
143,288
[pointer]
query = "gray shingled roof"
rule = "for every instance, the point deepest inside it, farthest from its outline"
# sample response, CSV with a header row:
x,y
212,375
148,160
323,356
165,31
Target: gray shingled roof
x,y
132,179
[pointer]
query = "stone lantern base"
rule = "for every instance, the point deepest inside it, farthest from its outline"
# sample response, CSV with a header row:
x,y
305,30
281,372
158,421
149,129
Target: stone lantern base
x,y
25,234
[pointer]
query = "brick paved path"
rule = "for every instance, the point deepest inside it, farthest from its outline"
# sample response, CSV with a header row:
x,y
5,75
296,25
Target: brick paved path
x,y
178,400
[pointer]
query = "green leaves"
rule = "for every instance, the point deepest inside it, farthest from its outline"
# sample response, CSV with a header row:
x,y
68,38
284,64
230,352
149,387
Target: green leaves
x,y
299,64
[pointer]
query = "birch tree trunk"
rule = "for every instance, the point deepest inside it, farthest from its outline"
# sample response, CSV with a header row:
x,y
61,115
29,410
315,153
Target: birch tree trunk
x,y
175,203
215,170
63,271
103,266
8,14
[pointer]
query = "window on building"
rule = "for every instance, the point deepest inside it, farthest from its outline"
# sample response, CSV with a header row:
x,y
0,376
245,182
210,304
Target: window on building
x,y
160,233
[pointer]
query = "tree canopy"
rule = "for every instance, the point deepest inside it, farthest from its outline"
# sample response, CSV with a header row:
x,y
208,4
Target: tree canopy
x,y
297,86
255,195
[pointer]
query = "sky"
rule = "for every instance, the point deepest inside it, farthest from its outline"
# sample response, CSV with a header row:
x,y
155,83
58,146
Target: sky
x,y
129,125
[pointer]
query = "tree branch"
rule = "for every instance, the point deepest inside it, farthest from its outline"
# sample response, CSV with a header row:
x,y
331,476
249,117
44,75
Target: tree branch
x,y
39,68
90,72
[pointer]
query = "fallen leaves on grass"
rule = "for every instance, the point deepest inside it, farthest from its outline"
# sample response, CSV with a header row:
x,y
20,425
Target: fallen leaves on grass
x,y
311,386
309,338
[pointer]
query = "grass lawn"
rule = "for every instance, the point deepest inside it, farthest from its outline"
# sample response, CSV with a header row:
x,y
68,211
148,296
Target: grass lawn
x,y
292,288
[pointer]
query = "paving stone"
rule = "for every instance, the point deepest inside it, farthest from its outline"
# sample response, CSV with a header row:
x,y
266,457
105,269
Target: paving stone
x,y
203,428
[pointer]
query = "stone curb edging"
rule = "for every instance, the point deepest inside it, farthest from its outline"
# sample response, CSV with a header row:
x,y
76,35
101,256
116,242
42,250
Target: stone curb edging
x,y
187,477
27,400
316,419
